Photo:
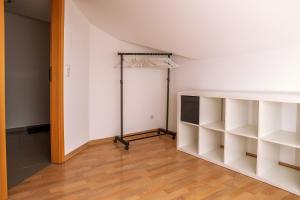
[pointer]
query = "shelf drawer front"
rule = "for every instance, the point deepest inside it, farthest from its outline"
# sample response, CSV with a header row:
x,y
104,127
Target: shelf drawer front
x,y
190,109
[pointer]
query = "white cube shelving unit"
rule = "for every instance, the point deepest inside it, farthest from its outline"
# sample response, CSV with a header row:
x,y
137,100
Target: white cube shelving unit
x,y
253,133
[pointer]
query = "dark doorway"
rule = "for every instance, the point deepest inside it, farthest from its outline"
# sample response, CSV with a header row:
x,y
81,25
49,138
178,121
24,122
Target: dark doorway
x,y
27,47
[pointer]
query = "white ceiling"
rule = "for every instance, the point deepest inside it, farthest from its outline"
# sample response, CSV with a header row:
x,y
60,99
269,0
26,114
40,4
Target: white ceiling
x,y
37,9
199,28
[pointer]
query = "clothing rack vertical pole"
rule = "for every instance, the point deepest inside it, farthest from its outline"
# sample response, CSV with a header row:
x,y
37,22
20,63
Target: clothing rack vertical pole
x,y
168,99
168,103
121,137
121,85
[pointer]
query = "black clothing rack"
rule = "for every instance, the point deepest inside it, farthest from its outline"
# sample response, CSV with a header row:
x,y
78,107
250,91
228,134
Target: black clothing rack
x,y
160,131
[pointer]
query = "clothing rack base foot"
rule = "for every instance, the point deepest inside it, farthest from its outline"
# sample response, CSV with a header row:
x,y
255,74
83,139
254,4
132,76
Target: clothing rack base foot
x,y
169,133
120,139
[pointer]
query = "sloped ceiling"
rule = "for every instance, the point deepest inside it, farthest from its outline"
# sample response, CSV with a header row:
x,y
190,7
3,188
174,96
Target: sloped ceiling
x,y
37,9
199,28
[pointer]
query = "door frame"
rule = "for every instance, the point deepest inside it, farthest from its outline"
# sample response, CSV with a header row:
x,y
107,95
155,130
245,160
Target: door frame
x,y
57,81
56,90
3,172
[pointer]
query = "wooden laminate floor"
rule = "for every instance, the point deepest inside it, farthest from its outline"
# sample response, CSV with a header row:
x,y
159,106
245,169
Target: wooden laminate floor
x,y
151,170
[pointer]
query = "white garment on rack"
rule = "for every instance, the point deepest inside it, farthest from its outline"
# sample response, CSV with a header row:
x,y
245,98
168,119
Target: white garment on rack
x,y
156,62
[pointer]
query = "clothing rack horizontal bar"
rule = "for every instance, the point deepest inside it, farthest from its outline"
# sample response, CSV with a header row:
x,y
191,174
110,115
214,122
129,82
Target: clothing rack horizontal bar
x,y
145,54
141,138
135,134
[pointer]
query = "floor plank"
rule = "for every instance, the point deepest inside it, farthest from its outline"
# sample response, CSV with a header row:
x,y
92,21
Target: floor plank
x,y
152,169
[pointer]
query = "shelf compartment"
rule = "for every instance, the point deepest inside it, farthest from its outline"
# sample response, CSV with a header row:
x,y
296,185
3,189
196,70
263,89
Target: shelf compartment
x,y
217,126
270,167
237,153
242,117
210,144
280,123
212,113
188,138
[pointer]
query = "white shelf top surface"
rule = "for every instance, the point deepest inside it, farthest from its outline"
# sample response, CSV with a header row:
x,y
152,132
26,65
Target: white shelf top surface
x,y
191,148
215,155
284,176
217,126
284,138
245,163
290,97
250,131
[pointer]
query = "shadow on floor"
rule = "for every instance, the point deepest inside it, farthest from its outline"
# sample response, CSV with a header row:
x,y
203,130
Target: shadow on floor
x,y
26,155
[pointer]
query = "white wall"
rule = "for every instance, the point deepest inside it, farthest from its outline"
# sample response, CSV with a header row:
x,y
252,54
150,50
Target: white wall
x,y
92,85
27,71
144,89
76,83
273,70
